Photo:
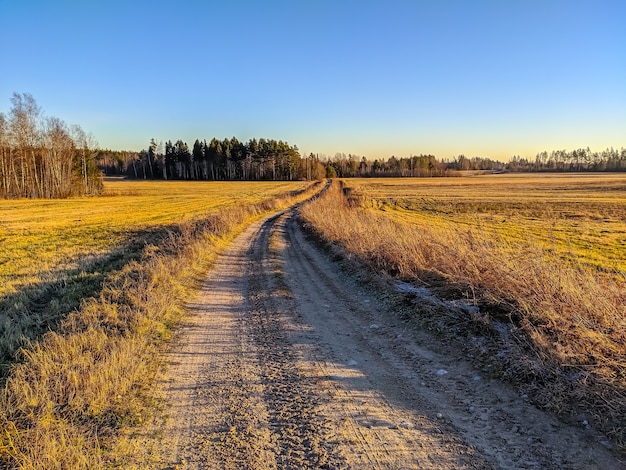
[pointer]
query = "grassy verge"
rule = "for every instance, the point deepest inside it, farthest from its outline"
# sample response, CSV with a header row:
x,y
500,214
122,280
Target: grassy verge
x,y
554,327
54,253
75,388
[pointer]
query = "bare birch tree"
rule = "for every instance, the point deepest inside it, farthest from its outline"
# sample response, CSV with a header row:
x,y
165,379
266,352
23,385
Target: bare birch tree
x,y
43,157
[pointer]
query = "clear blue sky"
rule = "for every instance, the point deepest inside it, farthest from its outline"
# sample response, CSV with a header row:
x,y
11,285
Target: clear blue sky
x,y
482,78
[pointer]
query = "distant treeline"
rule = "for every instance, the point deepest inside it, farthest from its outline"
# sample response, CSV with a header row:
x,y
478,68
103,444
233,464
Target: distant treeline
x,y
227,159
43,157
267,159
346,166
575,160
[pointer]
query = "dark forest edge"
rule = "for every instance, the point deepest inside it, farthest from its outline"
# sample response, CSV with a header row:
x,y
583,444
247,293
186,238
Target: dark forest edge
x,y
43,157
267,159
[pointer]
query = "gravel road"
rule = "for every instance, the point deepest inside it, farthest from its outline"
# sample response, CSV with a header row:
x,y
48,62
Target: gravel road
x,y
287,362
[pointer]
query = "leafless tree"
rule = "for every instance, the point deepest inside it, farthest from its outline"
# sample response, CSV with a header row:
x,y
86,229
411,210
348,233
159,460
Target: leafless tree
x,y
42,157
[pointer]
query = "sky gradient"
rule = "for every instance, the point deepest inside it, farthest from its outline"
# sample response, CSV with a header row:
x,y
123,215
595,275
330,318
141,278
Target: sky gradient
x,y
447,77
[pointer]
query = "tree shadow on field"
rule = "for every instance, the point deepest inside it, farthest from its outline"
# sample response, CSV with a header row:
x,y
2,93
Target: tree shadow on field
x,y
35,309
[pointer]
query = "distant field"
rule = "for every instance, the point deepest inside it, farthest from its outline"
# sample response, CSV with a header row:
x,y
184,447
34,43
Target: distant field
x,y
40,238
580,216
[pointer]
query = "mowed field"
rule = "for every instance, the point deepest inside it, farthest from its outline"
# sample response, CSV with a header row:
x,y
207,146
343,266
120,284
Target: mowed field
x,y
581,216
53,253
42,238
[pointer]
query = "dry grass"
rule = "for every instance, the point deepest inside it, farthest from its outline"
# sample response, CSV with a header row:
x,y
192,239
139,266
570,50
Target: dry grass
x,y
74,388
551,319
578,216
53,253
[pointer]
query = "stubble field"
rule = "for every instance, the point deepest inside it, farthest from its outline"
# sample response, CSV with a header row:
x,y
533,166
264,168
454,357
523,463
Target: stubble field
x,y
43,237
582,217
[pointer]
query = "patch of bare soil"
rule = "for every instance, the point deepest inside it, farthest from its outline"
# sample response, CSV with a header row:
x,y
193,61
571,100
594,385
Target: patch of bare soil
x,y
286,362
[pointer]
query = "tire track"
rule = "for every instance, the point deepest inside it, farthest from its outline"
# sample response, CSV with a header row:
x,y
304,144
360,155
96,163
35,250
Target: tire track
x,y
216,414
302,434
378,432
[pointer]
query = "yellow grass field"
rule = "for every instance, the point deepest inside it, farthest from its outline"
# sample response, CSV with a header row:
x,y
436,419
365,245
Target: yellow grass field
x,y
54,253
542,256
40,238
91,292
581,216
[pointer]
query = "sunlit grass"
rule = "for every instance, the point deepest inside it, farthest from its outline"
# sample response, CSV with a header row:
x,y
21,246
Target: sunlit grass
x,y
541,257
95,332
39,238
54,253
581,217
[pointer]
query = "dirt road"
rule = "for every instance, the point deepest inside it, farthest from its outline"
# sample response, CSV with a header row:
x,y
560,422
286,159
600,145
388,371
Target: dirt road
x,y
286,362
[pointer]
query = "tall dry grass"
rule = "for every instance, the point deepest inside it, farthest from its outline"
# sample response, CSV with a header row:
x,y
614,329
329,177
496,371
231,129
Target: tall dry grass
x,y
64,404
565,340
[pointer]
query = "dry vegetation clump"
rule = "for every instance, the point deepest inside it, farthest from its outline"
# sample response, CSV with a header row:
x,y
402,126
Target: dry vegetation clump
x,y
554,327
64,403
